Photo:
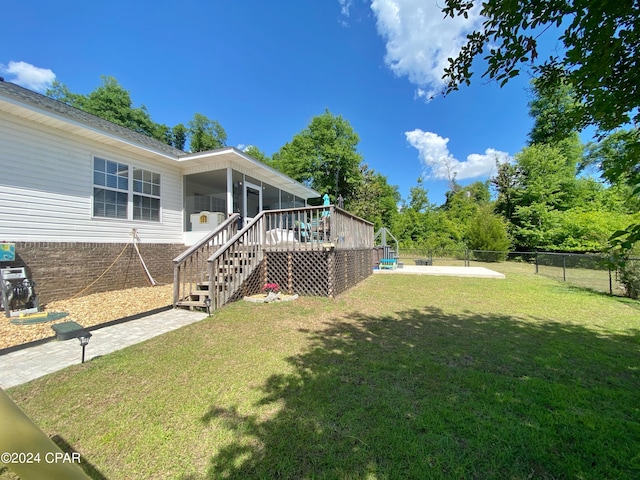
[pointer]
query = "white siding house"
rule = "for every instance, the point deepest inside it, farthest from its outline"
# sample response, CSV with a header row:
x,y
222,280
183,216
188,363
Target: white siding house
x,y
68,176
74,188
47,188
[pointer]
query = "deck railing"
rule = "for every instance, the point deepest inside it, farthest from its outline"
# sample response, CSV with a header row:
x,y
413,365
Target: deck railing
x,y
315,228
190,267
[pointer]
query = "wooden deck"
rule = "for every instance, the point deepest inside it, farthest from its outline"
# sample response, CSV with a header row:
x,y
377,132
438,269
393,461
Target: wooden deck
x,y
309,251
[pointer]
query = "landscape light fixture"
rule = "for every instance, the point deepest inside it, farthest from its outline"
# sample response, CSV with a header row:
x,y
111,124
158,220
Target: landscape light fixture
x,y
84,341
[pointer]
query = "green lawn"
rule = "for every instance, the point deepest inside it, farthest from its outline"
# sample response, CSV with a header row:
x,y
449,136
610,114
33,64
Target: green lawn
x,y
400,377
597,280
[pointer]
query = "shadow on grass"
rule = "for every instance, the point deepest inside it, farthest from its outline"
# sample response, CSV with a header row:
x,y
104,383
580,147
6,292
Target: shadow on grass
x,y
620,298
424,394
90,469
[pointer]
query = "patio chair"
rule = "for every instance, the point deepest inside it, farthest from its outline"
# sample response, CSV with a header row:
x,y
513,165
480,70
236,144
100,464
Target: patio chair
x,y
321,228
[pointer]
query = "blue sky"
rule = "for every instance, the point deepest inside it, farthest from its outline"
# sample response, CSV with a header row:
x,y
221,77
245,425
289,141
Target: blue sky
x,y
263,69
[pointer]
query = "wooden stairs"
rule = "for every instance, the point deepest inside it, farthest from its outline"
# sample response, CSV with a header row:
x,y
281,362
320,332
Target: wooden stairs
x,y
230,268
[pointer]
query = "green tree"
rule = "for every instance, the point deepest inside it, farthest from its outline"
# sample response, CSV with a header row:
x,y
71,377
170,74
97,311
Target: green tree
x,y
552,108
617,154
179,136
419,197
113,103
487,232
60,92
324,156
375,200
460,207
258,154
205,134
539,181
506,184
599,61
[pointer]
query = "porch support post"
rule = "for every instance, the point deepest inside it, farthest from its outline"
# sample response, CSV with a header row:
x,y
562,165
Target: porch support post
x,y
229,191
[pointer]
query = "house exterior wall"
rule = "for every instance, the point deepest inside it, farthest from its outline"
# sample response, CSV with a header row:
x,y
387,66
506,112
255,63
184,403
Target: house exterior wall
x,y
62,270
46,188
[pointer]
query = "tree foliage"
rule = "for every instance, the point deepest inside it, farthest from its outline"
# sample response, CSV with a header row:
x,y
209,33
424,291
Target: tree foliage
x,y
206,134
552,108
258,154
599,60
419,197
113,102
374,199
324,156
487,232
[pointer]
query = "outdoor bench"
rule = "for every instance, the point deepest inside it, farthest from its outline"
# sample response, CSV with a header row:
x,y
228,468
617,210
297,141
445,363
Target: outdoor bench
x,y
388,263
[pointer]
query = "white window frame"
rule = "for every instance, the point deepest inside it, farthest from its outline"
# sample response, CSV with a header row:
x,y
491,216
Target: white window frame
x,y
149,185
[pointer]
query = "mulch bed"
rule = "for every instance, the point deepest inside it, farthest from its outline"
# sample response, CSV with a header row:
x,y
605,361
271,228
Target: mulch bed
x,y
88,311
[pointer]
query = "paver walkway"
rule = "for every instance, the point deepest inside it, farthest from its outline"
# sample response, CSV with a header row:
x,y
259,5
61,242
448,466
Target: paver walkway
x,y
29,363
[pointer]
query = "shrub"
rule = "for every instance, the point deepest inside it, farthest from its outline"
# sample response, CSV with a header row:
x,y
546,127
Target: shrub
x,y
629,271
487,232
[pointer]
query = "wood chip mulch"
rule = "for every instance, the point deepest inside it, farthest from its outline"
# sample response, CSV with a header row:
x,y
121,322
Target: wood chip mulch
x,y
88,311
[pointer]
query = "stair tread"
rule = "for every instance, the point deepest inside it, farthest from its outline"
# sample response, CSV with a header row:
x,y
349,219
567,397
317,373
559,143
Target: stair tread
x,y
200,294
190,303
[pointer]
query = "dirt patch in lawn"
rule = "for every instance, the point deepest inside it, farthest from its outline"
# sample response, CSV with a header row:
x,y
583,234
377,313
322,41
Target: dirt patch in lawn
x,y
88,311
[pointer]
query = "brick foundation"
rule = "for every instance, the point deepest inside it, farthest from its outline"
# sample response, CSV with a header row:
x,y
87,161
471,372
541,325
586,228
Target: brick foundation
x,y
61,270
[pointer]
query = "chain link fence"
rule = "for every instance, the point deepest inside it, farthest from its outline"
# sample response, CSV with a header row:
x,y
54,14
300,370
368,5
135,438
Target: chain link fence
x,y
592,271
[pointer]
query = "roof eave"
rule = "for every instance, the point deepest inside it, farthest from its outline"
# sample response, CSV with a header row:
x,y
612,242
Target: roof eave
x,y
202,157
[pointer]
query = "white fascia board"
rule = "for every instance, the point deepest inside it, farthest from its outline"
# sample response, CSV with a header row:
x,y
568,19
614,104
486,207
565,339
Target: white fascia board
x,y
83,126
270,171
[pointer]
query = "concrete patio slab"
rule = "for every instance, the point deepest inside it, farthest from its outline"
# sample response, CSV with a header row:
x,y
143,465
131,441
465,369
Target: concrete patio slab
x,y
476,272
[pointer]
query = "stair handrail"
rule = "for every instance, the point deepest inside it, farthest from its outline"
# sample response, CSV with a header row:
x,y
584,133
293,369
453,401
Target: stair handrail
x,y
255,245
227,227
235,238
188,252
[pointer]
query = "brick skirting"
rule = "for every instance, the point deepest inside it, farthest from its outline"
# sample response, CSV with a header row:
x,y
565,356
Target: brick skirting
x,y
61,270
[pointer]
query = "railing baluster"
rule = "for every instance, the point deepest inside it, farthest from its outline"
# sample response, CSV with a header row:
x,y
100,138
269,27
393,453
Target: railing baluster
x,y
190,267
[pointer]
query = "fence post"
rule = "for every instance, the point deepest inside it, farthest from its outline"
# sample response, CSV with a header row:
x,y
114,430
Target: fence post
x,y
564,268
610,281
466,257
536,262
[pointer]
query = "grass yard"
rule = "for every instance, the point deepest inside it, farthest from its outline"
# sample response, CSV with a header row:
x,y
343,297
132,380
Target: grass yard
x,y
597,280
401,377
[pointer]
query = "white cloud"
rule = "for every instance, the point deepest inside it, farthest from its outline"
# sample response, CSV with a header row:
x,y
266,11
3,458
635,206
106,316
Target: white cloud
x,y
439,163
419,40
28,76
345,7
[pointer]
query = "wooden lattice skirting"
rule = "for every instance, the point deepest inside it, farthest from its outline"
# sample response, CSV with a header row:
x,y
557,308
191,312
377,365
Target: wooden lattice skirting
x,y
315,273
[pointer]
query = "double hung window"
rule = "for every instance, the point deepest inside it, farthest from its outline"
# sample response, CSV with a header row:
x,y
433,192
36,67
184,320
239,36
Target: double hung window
x,y
125,192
